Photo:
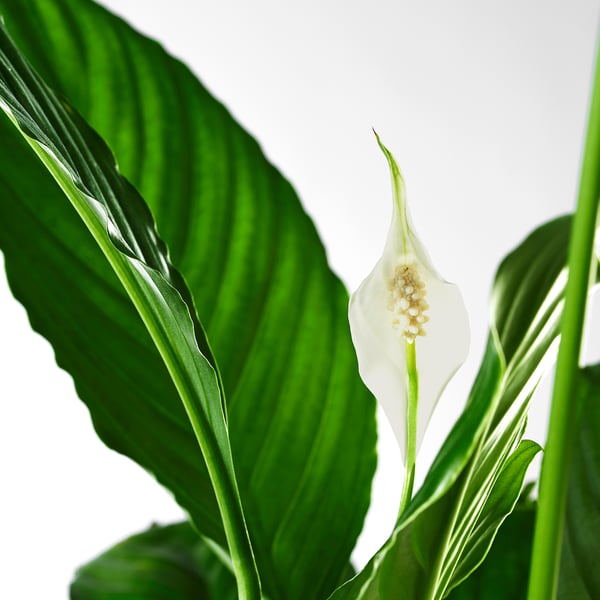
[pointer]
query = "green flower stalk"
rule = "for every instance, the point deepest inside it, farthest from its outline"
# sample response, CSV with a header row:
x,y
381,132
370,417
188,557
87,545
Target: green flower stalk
x,y
410,331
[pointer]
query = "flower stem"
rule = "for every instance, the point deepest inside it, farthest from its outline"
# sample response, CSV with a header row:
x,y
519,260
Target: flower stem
x,y
411,424
554,477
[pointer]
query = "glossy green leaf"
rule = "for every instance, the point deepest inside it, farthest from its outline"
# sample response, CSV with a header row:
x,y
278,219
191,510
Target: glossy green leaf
x,y
122,227
163,563
579,575
437,542
300,422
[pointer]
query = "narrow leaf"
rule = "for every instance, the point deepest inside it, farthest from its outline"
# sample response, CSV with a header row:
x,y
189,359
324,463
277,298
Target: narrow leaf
x,y
499,504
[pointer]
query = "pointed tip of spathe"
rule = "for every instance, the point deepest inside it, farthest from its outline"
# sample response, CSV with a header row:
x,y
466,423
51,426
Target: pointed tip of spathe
x,y
398,184
382,146
388,155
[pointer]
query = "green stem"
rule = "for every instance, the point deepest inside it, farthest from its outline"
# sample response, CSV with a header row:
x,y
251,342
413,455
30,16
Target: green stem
x,y
412,405
555,466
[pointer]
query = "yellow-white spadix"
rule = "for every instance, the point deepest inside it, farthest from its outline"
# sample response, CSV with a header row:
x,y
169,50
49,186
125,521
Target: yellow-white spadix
x,y
409,327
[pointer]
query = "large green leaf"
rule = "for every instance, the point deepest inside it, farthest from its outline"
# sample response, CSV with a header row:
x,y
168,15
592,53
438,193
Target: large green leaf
x,y
163,563
579,575
301,424
452,520
122,226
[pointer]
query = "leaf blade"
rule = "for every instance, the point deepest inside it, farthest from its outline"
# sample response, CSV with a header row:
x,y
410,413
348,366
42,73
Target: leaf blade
x,y
252,290
162,563
122,226
578,576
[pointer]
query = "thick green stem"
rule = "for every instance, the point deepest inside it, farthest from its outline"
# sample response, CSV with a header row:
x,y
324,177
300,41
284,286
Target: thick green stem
x,y
412,404
555,467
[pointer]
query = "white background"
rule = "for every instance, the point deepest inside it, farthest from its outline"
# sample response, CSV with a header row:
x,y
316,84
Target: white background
x,y
483,103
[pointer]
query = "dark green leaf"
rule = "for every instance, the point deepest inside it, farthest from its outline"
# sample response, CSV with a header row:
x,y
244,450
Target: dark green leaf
x,y
162,563
122,227
301,423
505,571
523,283
579,573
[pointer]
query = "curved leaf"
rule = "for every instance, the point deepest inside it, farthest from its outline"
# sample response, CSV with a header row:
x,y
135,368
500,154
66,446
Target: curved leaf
x,y
122,226
163,563
505,571
499,504
301,424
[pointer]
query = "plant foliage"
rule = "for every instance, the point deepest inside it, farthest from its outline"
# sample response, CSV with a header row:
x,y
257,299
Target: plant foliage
x,y
187,293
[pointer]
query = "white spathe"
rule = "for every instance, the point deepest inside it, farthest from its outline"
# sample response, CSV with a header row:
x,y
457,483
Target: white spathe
x,y
379,314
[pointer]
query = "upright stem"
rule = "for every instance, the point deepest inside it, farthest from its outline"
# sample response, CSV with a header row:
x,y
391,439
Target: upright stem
x,y
555,467
412,405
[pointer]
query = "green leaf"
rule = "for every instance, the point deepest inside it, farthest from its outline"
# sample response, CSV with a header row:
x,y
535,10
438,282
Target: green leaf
x,y
499,504
438,539
579,576
300,422
505,571
163,563
122,226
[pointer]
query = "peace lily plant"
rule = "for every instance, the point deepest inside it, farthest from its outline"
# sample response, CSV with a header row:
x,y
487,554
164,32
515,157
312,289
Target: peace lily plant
x,y
184,351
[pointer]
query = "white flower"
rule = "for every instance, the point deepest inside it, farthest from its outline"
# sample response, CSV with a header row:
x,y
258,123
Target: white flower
x,y
402,312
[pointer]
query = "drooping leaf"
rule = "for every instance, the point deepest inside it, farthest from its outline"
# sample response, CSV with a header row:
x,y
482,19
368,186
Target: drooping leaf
x,y
437,534
163,563
300,422
579,577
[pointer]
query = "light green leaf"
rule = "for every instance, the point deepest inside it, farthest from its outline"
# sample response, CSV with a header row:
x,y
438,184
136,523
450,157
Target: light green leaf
x,y
437,536
505,571
499,504
163,563
300,422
